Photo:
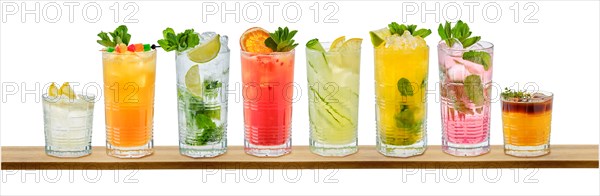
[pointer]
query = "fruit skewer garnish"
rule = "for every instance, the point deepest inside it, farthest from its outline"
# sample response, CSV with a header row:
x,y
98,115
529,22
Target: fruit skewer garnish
x,y
120,42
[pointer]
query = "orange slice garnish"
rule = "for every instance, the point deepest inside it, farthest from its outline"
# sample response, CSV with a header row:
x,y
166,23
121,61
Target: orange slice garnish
x,y
253,40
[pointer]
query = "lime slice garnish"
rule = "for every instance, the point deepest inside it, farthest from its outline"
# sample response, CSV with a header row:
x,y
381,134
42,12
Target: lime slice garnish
x,y
337,43
193,81
314,44
206,51
53,90
378,36
66,90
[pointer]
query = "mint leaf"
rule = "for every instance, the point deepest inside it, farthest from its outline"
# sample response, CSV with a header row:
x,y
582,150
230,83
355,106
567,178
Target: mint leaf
x,y
281,40
210,132
212,88
192,39
179,42
119,36
169,42
446,33
470,41
460,32
105,40
405,118
461,107
479,57
474,89
201,119
396,28
405,87
399,29
422,33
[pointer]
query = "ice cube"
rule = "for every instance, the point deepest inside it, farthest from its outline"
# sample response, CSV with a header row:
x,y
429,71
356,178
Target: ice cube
x,y
474,68
59,116
77,117
457,73
476,46
457,48
449,62
405,41
206,36
224,42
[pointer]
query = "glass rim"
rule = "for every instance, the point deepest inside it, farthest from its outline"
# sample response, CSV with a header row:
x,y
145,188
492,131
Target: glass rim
x,y
549,94
186,51
388,48
491,46
87,96
270,54
128,53
329,46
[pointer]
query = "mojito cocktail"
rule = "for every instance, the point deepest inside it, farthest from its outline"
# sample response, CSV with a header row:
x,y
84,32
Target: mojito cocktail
x,y
202,73
333,81
68,121
267,77
401,69
526,121
129,74
465,65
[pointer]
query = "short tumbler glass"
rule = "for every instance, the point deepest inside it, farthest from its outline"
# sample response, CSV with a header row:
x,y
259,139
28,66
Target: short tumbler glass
x,y
526,124
68,125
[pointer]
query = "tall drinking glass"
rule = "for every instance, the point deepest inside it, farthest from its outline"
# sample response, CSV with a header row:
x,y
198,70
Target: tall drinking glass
x,y
333,80
465,88
268,91
68,125
401,103
526,123
129,102
202,104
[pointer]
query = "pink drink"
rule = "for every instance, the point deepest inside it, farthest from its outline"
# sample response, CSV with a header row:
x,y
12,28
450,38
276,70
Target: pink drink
x,y
465,105
268,92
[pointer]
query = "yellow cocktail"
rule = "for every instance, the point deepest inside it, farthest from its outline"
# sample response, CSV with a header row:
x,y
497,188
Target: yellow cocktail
x,y
401,68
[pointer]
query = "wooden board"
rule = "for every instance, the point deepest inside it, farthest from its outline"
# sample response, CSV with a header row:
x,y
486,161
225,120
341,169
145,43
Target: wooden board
x,y
168,157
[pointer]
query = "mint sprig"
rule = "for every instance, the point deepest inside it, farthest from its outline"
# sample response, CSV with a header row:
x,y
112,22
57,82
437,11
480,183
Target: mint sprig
x,y
200,119
399,29
119,36
460,32
180,41
515,94
479,57
281,40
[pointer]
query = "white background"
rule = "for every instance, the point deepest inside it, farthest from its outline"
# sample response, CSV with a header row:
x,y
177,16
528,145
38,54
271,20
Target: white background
x,y
559,53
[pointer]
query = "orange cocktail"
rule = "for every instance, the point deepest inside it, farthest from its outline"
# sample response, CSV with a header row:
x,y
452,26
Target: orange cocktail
x,y
129,102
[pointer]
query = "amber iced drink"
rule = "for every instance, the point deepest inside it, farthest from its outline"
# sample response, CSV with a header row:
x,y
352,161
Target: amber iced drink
x,y
129,73
526,119
267,77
